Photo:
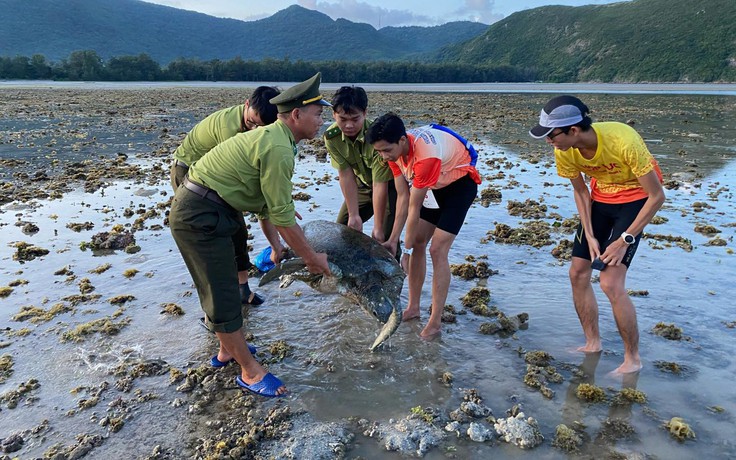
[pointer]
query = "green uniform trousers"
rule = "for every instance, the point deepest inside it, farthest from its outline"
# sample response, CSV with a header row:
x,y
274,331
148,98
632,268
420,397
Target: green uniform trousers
x,y
365,208
203,231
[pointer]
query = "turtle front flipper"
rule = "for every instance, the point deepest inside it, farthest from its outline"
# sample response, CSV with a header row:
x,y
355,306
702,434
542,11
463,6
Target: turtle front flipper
x,y
284,268
296,269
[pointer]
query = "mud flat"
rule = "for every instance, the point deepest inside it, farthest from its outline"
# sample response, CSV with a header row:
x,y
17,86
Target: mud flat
x,y
101,354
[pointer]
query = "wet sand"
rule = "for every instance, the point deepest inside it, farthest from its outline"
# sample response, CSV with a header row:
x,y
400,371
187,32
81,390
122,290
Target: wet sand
x,y
115,376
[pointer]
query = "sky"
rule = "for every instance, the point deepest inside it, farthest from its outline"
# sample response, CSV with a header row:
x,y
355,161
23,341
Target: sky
x,y
378,13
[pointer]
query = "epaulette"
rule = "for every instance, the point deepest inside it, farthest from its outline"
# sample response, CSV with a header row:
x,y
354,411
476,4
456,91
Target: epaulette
x,y
332,132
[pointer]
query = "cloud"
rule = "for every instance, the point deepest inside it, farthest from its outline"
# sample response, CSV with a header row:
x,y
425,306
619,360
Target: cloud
x,y
479,11
353,10
374,15
220,8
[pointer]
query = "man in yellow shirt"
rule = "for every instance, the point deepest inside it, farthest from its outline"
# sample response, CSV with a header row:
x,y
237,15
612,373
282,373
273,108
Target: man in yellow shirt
x,y
625,193
251,172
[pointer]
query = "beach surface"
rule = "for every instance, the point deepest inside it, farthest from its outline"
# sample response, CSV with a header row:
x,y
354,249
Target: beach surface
x,y
101,353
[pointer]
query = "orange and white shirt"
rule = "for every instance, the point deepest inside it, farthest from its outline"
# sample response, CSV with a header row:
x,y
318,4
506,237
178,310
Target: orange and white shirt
x,y
435,159
621,158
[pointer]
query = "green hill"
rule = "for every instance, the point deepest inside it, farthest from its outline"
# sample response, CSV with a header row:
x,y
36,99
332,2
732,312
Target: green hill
x,y
56,28
640,40
428,39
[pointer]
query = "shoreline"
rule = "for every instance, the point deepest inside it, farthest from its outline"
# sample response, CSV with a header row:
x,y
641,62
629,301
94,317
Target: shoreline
x,y
725,89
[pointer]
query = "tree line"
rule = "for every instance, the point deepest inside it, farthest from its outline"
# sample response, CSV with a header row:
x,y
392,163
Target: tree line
x,y
89,66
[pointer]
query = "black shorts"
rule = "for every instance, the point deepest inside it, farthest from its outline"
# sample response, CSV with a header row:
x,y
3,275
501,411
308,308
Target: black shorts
x,y
454,201
609,221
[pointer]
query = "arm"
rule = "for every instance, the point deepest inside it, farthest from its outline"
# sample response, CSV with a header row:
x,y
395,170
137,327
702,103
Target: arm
x,y
294,236
402,209
349,187
380,201
655,198
277,169
278,251
583,203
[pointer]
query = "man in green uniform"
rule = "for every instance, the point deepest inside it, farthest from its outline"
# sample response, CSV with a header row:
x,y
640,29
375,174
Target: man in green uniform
x,y
366,180
213,130
251,172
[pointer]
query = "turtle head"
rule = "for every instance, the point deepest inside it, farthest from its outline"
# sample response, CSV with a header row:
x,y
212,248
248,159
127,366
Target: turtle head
x,y
384,309
390,325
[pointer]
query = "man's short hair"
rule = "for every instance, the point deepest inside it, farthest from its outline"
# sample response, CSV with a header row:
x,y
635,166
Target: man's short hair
x,y
350,99
259,100
388,127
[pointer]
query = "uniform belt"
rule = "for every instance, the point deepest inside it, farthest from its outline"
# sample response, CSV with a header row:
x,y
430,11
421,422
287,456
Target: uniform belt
x,y
205,192
181,163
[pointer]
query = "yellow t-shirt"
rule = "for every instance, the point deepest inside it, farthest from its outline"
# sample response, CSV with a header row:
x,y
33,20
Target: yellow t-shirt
x,y
621,158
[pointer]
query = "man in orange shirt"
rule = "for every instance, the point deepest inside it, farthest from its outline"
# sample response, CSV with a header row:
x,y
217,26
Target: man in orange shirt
x,y
440,167
625,193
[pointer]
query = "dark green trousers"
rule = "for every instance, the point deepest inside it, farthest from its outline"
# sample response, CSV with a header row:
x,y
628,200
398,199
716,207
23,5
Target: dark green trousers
x,y
203,231
365,208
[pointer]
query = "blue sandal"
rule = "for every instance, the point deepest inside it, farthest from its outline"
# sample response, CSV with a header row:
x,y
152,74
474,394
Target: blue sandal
x,y
216,363
268,386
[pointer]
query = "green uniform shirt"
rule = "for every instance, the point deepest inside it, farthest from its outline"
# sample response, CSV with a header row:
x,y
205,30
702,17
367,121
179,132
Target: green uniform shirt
x,y
365,162
206,134
252,172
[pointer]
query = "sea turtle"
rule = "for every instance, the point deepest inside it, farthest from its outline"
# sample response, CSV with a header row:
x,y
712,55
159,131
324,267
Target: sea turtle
x,y
363,271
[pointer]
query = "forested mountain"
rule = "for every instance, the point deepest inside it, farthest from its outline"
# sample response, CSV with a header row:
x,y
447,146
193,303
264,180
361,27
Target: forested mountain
x,y
56,28
640,40
629,41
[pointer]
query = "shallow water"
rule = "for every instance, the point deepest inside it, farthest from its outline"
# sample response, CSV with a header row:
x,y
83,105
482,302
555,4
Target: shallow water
x,y
331,374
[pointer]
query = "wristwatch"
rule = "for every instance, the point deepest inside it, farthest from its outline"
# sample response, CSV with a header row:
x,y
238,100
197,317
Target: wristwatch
x,y
407,251
628,238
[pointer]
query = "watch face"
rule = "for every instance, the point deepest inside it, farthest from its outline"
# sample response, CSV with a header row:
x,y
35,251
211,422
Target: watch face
x,y
629,239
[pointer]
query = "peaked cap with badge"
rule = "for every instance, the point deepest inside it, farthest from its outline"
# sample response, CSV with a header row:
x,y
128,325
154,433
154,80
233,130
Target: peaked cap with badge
x,y
300,95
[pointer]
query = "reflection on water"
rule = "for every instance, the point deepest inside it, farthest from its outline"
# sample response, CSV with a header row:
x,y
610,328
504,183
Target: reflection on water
x,y
330,372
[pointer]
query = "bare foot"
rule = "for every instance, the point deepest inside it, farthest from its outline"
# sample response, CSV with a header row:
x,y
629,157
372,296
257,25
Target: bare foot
x,y
430,333
625,368
589,349
410,314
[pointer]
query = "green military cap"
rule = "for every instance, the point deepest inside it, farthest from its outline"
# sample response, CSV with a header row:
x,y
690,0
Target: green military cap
x,y
303,94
